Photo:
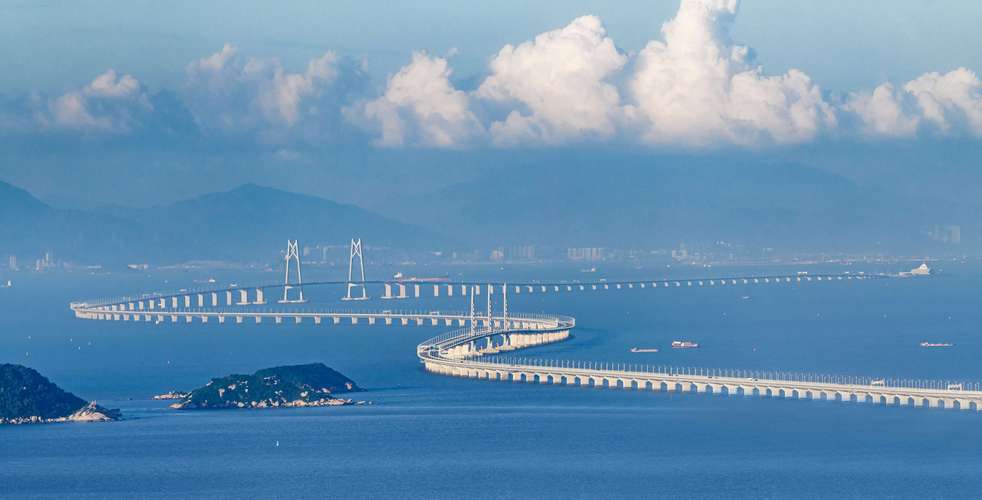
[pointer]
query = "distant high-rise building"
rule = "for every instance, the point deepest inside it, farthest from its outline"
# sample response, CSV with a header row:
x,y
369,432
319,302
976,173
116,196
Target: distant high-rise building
x,y
12,263
954,234
681,253
951,234
497,255
590,254
521,252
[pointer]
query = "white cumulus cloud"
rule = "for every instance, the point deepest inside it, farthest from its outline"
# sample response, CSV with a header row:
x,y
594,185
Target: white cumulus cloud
x,y
949,103
111,102
559,81
698,88
882,112
230,93
420,106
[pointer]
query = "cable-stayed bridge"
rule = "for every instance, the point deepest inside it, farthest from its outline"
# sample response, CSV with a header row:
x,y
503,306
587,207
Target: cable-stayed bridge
x,y
481,342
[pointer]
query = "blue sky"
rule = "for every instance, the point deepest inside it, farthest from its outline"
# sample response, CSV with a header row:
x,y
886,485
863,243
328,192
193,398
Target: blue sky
x,y
236,91
843,44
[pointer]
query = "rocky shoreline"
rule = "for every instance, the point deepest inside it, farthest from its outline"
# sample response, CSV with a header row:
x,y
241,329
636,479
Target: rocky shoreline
x,y
299,403
88,413
171,395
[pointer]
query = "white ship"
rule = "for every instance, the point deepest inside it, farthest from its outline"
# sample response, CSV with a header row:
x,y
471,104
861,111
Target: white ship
x,y
921,270
684,344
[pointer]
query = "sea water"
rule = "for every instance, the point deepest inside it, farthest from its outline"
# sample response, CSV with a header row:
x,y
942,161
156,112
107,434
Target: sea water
x,y
427,435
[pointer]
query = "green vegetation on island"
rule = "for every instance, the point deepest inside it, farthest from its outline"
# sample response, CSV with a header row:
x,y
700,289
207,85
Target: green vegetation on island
x,y
28,397
284,386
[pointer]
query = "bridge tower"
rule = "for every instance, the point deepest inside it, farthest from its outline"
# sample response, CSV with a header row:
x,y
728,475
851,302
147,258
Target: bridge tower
x,y
504,303
292,257
473,314
353,285
490,308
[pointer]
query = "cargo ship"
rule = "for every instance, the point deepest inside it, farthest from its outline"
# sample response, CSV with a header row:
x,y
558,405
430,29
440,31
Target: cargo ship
x,y
936,344
644,349
684,344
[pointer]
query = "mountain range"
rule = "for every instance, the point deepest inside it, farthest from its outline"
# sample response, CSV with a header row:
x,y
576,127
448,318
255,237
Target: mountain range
x,y
248,223
661,204
622,204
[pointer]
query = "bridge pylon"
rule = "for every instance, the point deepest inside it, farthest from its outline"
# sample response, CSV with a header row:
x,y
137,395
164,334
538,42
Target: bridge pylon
x,y
352,284
473,317
490,307
504,303
292,257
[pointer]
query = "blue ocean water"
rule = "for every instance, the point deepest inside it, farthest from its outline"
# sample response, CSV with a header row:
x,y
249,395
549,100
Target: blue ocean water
x,y
437,437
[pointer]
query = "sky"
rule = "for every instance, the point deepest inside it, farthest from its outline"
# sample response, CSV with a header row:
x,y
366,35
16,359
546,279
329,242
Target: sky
x,y
185,97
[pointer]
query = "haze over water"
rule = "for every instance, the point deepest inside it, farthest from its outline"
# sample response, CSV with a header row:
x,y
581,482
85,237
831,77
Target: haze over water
x,y
433,436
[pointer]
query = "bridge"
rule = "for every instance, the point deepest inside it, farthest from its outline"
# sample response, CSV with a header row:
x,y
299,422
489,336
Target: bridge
x,y
480,345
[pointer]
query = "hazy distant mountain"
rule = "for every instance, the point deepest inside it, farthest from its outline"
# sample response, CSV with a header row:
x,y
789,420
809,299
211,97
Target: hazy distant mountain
x,y
635,202
790,207
29,228
251,221
247,223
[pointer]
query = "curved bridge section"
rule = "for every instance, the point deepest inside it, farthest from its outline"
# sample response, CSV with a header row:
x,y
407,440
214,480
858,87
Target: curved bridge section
x,y
470,354
478,346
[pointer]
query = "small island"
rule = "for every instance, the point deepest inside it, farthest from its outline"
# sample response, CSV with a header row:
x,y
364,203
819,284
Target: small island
x,y
27,397
312,384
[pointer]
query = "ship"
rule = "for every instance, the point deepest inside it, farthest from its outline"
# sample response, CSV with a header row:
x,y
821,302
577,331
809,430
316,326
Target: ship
x,y
921,270
8,284
684,344
936,344
644,349
399,277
